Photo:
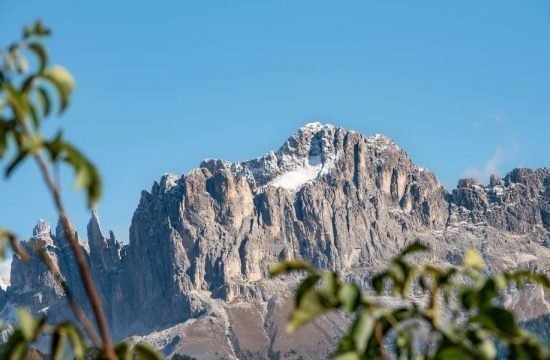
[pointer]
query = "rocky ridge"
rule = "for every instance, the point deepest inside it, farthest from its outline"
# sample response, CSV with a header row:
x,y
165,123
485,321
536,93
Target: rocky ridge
x,y
193,277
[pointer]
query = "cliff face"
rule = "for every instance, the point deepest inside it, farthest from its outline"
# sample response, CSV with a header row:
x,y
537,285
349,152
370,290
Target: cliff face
x,y
193,277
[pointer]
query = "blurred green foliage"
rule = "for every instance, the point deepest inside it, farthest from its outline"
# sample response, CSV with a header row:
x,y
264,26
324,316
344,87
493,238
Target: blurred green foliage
x,y
27,97
31,91
419,311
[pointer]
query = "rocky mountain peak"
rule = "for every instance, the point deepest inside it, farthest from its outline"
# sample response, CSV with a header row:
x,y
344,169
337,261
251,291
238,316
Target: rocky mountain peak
x,y
303,157
94,228
200,244
309,154
41,228
42,234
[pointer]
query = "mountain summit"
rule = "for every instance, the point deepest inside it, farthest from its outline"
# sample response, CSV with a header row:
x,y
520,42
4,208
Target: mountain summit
x,y
304,157
194,277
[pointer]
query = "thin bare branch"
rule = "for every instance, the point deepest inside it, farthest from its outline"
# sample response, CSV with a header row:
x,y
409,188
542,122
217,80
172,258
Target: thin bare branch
x,y
81,262
82,318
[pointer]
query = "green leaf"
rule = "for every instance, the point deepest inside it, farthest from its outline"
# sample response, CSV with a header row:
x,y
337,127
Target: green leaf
x,y
310,307
44,100
58,344
487,349
398,271
40,53
404,343
289,266
378,282
468,297
540,279
351,355
15,347
498,320
16,100
63,81
27,323
9,61
147,352
16,162
529,348
414,247
39,28
453,353
3,140
487,294
124,351
500,281
504,320
331,285
56,146
474,260
362,330
87,176
68,330
27,32
27,84
306,285
21,64
34,116
346,344
19,351
350,296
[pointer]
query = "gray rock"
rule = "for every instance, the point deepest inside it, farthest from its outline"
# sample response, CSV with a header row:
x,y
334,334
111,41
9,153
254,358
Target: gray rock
x,y
196,266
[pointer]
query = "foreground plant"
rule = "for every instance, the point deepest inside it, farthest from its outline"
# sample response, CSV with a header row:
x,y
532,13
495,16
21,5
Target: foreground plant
x,y
442,313
28,96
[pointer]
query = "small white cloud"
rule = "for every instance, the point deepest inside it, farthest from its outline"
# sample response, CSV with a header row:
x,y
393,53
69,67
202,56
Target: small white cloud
x,y
491,117
490,167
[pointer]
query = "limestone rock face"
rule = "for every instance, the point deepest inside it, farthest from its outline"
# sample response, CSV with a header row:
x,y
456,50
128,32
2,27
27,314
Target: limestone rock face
x,y
194,276
517,203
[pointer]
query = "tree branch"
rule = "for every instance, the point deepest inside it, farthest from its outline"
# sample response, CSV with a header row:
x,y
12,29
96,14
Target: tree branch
x,y
82,318
81,262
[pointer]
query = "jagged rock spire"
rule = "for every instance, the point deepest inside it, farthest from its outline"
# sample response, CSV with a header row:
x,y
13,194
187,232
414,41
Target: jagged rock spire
x,y
42,232
95,235
60,238
41,227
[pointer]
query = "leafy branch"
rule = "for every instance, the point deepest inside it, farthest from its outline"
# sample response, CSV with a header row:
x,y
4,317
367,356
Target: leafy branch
x,y
27,98
456,305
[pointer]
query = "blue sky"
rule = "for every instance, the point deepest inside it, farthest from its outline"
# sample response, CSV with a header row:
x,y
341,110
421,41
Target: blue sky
x,y
463,87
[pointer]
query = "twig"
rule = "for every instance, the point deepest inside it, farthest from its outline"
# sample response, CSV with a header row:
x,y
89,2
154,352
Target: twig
x,y
81,262
380,338
54,269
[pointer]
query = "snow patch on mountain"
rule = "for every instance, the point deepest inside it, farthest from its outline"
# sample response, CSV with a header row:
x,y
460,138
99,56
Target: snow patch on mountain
x,y
304,157
295,179
4,283
382,142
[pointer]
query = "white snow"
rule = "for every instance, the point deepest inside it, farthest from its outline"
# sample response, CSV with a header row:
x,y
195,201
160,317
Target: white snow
x,y
4,283
170,179
304,157
382,142
295,179
5,272
498,189
314,126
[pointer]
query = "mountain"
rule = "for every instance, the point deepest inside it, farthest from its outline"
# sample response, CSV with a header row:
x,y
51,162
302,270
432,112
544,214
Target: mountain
x,y
193,278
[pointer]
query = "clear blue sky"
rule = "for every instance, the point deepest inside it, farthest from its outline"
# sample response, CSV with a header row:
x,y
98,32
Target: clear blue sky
x,y
463,87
